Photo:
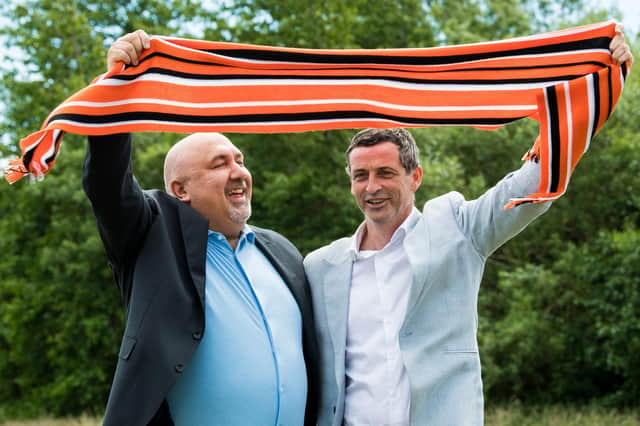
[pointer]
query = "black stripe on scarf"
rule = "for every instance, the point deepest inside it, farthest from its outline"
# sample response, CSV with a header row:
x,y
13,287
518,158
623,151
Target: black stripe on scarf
x,y
465,82
596,101
291,118
554,130
28,155
609,92
362,67
329,58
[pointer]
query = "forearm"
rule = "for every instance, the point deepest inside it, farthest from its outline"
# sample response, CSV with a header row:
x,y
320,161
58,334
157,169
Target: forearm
x,y
489,224
107,165
116,199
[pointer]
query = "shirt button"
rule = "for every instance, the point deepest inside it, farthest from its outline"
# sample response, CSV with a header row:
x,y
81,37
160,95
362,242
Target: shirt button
x,y
196,335
179,368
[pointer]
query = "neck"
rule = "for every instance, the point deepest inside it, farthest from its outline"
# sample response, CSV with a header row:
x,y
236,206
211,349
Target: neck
x,y
233,242
232,235
375,237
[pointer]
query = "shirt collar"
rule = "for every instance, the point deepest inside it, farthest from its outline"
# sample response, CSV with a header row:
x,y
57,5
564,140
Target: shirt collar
x,y
247,236
398,234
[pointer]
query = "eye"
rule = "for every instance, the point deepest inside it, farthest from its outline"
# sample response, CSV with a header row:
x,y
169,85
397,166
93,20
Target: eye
x,y
358,177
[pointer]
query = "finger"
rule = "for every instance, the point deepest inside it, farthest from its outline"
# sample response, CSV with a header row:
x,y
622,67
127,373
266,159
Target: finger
x,y
619,27
115,56
621,54
129,47
627,57
616,55
139,40
122,51
144,38
616,41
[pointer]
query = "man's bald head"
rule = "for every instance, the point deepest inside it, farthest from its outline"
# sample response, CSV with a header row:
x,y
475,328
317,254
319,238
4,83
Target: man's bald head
x,y
181,158
207,172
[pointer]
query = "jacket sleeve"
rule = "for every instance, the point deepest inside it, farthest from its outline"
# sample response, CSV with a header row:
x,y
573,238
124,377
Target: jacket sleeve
x,y
122,210
486,222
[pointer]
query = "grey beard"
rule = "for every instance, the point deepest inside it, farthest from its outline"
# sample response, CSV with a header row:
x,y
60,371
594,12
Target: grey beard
x,y
240,215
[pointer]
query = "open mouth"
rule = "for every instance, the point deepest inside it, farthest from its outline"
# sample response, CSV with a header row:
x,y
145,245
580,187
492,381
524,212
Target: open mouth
x,y
236,192
237,195
376,202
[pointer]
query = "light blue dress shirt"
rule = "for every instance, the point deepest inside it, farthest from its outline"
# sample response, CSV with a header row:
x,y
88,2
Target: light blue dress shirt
x,y
249,368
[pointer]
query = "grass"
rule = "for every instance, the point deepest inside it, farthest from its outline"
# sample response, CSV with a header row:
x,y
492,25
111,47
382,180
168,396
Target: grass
x,y
508,415
76,421
558,415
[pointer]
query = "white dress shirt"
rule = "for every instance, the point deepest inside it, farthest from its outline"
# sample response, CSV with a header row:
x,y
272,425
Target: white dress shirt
x,y
377,385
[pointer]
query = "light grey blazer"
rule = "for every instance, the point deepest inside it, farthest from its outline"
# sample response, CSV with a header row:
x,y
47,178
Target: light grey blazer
x,y
447,251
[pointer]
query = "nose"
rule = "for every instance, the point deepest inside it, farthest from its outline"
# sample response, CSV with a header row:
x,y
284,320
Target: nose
x,y
372,184
239,172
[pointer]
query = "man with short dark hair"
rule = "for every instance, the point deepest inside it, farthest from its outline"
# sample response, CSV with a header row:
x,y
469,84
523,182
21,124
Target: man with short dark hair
x,y
395,305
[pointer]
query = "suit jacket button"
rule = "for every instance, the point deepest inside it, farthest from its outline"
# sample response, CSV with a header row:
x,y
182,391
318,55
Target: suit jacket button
x,y
179,368
196,335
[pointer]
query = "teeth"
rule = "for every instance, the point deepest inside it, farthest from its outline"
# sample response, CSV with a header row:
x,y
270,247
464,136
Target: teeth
x,y
236,192
375,201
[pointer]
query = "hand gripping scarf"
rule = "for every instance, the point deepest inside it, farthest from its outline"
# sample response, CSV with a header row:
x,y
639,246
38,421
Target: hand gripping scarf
x,y
563,79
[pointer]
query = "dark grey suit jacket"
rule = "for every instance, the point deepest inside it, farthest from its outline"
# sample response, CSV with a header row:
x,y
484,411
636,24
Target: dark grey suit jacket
x,y
156,247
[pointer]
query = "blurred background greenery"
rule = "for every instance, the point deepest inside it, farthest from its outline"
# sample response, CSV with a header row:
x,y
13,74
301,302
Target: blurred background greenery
x,y
559,305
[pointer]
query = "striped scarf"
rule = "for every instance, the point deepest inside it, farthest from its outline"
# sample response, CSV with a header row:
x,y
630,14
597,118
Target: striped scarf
x,y
563,79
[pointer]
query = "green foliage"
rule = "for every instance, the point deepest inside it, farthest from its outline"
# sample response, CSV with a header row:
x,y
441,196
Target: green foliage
x,y
58,333
570,330
326,24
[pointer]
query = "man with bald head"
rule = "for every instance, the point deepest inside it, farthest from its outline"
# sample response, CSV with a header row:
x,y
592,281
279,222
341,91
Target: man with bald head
x,y
219,324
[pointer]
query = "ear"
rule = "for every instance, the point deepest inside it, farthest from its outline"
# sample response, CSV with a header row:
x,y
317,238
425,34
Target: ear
x,y
416,178
179,191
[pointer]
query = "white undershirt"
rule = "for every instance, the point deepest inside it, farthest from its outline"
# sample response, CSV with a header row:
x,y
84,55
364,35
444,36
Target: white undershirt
x,y
377,385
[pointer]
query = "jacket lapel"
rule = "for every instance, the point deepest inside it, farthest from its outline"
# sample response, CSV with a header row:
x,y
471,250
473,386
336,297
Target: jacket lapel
x,y
268,248
417,246
336,292
194,235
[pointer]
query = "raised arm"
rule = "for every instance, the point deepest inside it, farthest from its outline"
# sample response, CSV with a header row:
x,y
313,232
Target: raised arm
x,y
486,222
122,210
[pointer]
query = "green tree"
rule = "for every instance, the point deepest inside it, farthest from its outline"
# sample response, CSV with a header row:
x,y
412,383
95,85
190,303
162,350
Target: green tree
x,y
570,331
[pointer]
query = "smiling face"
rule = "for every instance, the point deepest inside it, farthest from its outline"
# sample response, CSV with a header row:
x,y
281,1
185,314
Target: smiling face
x,y
206,171
381,186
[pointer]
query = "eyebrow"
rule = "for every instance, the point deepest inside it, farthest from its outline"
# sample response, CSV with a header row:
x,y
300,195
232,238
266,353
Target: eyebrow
x,y
236,156
378,169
